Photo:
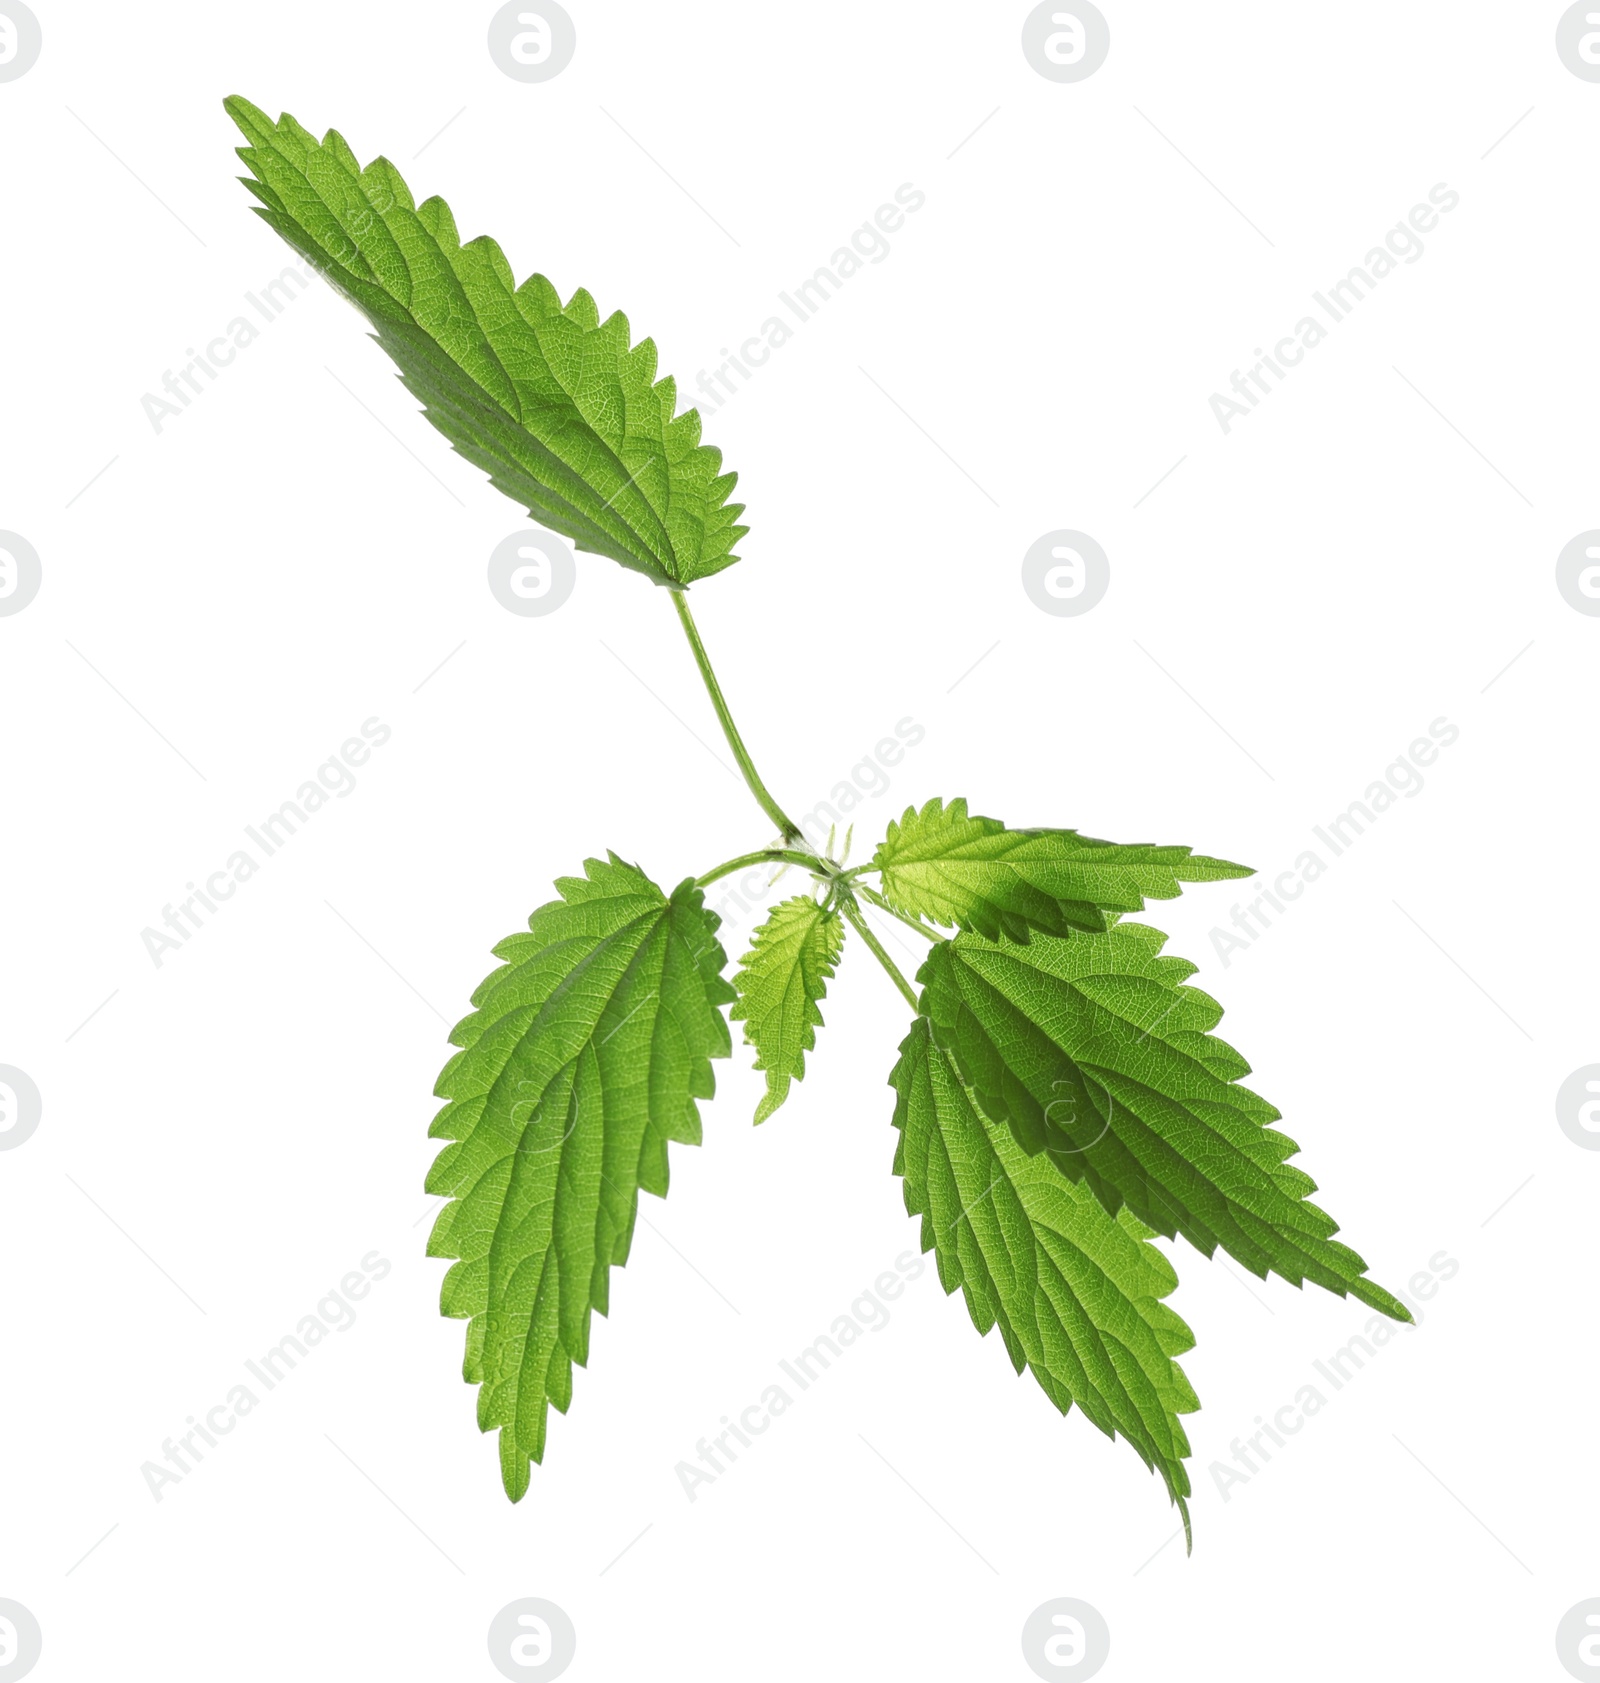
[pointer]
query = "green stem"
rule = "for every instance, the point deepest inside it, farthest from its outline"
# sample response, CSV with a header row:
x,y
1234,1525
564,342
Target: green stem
x,y
763,856
787,828
848,907
910,922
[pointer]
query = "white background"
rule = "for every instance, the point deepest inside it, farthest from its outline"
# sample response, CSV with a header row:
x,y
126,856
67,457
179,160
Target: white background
x,y
275,566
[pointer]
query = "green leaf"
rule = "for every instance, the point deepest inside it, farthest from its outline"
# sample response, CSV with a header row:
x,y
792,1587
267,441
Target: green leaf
x,y
781,981
585,1055
551,402
1075,1292
1095,1053
943,864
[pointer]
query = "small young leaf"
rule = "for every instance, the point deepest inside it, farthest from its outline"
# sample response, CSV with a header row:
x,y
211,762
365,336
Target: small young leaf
x,y
781,982
585,1056
1093,1051
943,864
1075,1292
559,410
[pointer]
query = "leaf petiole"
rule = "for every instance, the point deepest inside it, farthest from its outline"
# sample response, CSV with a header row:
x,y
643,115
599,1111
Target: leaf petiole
x,y
766,856
787,828
848,906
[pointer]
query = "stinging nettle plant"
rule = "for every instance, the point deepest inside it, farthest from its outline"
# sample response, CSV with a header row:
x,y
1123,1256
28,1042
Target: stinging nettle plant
x,y
1060,1099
